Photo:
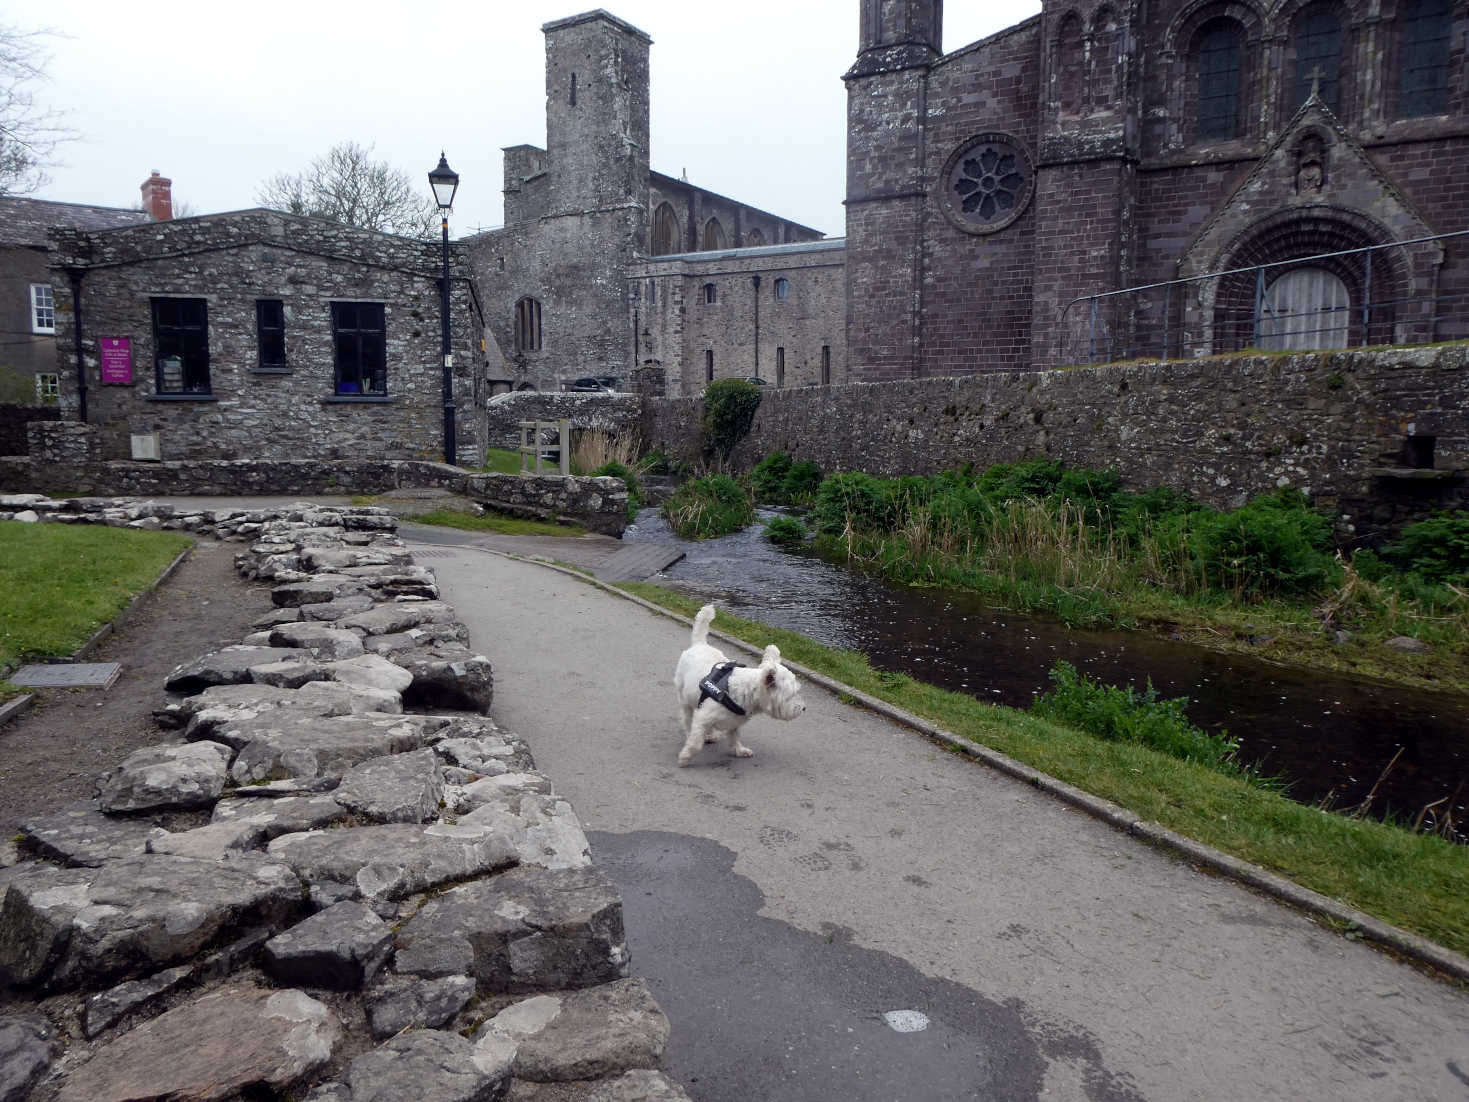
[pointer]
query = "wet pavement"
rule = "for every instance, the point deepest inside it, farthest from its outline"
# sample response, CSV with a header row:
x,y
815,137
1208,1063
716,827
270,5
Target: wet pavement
x,y
789,908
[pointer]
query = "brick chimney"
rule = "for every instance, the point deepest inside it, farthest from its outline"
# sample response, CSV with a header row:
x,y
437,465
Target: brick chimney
x,y
158,197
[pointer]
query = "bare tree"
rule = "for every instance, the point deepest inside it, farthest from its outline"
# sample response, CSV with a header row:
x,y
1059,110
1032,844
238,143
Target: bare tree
x,y
29,132
347,185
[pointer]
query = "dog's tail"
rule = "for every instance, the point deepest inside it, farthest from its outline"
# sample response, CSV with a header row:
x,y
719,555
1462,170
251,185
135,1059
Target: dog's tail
x,y
701,625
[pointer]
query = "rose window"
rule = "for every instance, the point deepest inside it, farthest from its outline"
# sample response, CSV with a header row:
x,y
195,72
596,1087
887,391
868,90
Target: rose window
x,y
988,182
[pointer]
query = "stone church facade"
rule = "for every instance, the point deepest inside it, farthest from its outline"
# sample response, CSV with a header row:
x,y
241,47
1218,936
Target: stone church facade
x,y
1106,145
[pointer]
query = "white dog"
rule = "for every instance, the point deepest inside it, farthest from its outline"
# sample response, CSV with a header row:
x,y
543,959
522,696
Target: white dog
x,y
719,696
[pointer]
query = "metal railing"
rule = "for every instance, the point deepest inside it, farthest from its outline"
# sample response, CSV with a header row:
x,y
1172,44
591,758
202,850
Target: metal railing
x,y
1348,298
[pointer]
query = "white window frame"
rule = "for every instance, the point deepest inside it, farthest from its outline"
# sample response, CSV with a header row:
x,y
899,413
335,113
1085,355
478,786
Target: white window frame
x,y
43,309
48,387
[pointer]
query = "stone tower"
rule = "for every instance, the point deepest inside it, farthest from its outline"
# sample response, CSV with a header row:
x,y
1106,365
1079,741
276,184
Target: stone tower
x,y
886,138
596,112
1086,193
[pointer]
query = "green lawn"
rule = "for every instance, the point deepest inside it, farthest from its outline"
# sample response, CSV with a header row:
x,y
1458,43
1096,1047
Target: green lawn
x,y
1410,880
59,583
496,522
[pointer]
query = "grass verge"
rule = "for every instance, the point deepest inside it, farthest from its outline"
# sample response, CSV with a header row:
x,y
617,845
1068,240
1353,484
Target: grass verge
x,y
496,522
60,583
1413,881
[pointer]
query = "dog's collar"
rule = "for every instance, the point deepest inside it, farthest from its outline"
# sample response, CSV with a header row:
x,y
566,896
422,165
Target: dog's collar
x,y
715,686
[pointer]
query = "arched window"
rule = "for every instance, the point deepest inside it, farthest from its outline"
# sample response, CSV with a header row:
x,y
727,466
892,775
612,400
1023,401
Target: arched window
x,y
528,325
665,238
1070,73
1425,79
754,239
1106,61
714,235
1318,56
1217,54
1304,309
782,289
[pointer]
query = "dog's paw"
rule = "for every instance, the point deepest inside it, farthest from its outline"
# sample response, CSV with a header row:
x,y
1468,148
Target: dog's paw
x,y
684,757
744,752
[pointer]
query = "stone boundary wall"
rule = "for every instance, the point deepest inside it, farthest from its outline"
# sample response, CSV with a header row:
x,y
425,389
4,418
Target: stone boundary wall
x,y
1225,429
14,437
614,414
598,504
341,876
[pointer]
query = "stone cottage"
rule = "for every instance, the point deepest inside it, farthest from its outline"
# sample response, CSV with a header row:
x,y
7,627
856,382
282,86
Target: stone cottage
x,y
257,334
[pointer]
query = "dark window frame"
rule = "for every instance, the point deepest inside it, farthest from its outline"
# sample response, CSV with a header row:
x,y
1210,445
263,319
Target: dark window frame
x,y
780,366
270,334
826,365
782,289
359,349
711,294
708,365
1219,58
180,333
1318,39
529,336
1427,46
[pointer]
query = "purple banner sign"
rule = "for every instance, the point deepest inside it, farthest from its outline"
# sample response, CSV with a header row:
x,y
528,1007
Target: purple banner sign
x,y
117,360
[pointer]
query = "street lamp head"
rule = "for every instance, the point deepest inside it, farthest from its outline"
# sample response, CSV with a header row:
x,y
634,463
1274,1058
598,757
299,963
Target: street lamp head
x,y
445,182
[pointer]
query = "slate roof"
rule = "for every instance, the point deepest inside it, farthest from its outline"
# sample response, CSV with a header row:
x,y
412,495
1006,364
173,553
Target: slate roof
x,y
24,221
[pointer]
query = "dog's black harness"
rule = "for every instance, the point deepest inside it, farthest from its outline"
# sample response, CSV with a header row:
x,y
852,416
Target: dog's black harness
x,y
715,686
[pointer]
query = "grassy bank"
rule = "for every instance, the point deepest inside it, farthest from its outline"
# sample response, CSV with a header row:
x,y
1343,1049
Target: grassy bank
x,y
1413,881
1263,579
496,522
60,583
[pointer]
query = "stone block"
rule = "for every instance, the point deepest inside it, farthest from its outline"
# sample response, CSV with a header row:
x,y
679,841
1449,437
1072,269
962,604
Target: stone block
x,y
588,1034
28,1045
426,1065
324,643
233,1041
278,745
393,860
65,927
341,948
80,834
188,775
396,1003
229,666
529,929
399,788
448,676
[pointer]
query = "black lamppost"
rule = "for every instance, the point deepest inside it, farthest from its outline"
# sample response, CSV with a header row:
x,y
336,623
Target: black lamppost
x,y
445,182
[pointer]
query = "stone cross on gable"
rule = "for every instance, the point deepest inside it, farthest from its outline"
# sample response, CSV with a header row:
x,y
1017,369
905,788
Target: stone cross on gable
x,y
1315,74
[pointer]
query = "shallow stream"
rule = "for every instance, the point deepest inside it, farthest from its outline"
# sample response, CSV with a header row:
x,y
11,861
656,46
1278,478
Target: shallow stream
x,y
1331,737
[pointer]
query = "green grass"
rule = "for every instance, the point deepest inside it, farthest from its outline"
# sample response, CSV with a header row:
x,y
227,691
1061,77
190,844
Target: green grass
x,y
497,522
502,461
1410,880
60,583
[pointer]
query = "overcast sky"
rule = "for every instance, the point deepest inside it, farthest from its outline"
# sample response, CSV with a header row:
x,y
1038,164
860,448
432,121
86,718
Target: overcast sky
x,y
747,98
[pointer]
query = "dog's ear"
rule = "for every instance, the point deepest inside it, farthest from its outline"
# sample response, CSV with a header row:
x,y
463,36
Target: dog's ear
x,y
772,656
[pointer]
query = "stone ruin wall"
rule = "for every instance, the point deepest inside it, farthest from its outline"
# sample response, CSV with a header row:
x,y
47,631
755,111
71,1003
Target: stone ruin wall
x,y
1225,429
337,875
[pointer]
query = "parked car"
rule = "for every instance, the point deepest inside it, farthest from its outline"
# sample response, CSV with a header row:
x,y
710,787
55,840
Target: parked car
x,y
757,380
595,384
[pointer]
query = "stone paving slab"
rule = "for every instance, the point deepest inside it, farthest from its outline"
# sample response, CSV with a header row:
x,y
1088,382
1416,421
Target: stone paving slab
x,y
68,675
